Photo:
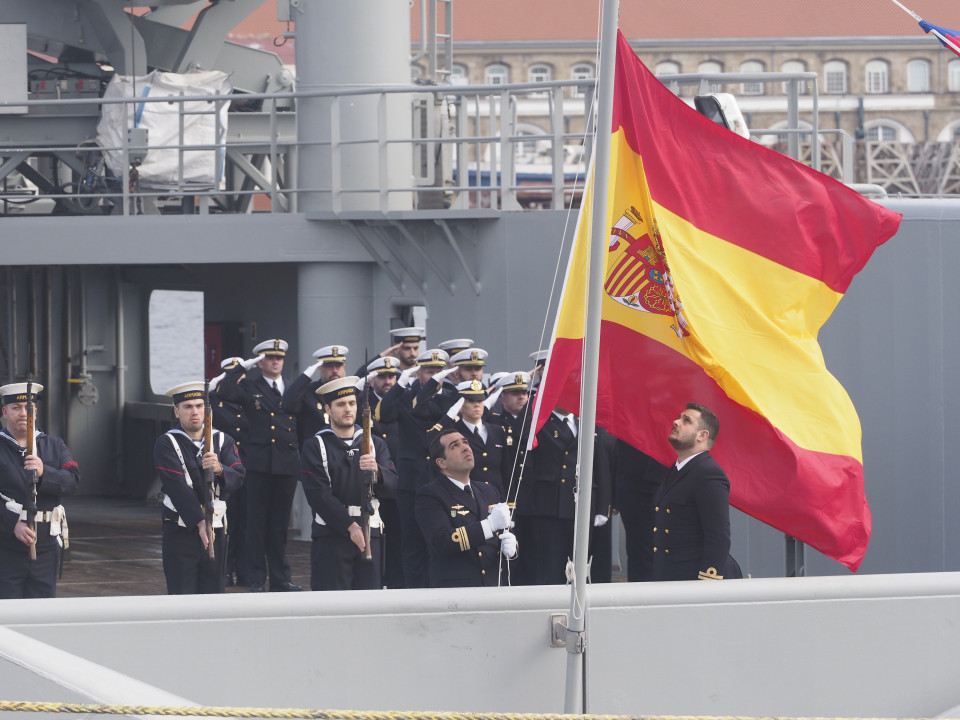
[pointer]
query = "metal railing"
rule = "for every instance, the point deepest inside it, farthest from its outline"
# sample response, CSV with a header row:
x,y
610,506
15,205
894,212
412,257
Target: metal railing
x,y
507,147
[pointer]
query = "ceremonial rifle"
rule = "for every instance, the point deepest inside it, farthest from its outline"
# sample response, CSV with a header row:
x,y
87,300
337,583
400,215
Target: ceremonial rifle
x,y
32,450
369,477
206,491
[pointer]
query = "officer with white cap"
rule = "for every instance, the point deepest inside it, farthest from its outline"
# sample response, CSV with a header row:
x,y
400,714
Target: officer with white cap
x,y
180,464
332,470
454,346
301,399
57,475
515,418
412,465
272,460
440,392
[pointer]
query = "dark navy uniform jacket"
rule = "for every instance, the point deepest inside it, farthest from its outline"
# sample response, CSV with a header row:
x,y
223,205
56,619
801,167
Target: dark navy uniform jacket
x,y
691,534
300,398
549,478
61,476
489,462
449,518
186,499
331,490
272,438
230,418
386,423
516,432
411,459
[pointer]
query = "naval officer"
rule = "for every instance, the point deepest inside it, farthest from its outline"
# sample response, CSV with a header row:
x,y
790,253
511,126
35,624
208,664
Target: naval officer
x,y
301,397
272,460
180,463
57,475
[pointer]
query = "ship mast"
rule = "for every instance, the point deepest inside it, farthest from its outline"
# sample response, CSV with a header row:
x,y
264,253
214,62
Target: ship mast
x,y
575,700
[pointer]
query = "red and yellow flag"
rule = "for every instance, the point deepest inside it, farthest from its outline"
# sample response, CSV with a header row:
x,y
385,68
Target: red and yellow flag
x,y
724,259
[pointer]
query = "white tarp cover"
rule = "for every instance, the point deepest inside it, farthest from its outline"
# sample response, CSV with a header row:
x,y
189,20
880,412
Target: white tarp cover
x,y
162,121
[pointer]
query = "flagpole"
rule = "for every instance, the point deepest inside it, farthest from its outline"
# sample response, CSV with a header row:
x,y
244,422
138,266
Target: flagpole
x,y
575,700
933,31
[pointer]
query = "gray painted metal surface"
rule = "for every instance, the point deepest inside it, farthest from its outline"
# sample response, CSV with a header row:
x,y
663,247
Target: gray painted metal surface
x,y
878,646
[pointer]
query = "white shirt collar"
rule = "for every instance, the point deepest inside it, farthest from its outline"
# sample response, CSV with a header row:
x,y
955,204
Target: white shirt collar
x,y
680,464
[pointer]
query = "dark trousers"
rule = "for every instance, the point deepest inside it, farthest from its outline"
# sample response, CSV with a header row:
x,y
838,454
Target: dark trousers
x,y
638,527
600,553
337,564
269,499
187,567
543,546
21,577
413,547
392,550
237,535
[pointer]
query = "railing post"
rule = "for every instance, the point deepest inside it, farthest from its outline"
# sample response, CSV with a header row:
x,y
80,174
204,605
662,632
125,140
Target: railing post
x,y
558,150
508,175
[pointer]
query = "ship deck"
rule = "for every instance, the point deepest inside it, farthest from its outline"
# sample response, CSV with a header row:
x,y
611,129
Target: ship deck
x,y
115,550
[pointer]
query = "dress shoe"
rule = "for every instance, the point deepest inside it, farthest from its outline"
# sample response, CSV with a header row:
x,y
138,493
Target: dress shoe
x,y
256,587
230,580
284,587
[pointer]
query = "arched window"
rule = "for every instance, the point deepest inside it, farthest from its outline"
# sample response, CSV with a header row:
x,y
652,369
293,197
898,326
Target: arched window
x,y
918,76
581,71
795,66
459,75
540,73
953,75
667,67
711,66
889,130
835,77
496,74
878,77
753,87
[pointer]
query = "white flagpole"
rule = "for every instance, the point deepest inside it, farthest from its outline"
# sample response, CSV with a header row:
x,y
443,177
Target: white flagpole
x,y
933,31
575,700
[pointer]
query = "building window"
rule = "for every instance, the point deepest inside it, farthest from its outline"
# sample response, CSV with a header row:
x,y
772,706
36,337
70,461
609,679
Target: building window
x,y
581,71
889,130
835,77
953,75
918,76
752,87
711,67
667,67
882,132
540,73
458,75
794,66
878,77
496,75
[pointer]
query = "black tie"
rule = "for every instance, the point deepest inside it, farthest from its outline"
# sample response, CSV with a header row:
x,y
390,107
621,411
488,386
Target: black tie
x,y
276,389
476,431
468,490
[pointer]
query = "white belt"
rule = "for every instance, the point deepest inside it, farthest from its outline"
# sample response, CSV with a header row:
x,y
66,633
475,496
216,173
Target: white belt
x,y
355,511
56,517
219,510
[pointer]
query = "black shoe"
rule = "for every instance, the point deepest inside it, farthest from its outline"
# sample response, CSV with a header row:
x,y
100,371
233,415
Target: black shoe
x,y
257,587
230,581
284,587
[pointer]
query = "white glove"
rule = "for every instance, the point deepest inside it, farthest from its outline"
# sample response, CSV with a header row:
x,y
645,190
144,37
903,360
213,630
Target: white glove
x,y
600,520
406,377
499,517
455,409
362,384
249,363
216,381
439,377
508,544
492,400
312,368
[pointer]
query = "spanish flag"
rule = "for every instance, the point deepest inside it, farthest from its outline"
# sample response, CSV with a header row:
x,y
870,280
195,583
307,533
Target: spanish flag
x,y
724,259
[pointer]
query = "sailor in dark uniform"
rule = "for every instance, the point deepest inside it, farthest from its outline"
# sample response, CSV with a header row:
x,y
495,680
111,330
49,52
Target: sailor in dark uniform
x,y
180,463
515,418
405,348
300,397
546,505
272,460
486,439
465,526
439,394
230,418
691,532
382,374
412,465
636,479
57,475
332,469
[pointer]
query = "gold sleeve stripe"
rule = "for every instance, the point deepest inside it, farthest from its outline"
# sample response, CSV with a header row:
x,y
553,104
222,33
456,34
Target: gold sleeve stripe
x,y
461,538
710,574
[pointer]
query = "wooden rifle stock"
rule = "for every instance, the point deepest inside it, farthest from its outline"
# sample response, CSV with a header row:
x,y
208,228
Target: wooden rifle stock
x,y
207,491
369,477
32,450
